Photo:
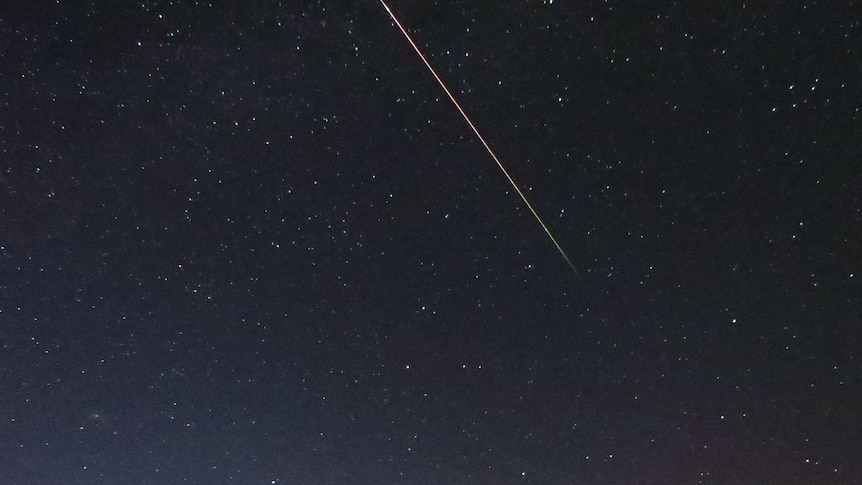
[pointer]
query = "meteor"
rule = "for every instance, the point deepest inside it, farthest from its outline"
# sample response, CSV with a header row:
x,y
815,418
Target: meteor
x,y
480,137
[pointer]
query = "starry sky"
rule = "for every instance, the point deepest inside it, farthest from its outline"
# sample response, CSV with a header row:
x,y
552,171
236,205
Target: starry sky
x,y
253,242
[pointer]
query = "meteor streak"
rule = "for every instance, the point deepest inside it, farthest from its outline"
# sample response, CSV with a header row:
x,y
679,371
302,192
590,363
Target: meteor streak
x,y
479,136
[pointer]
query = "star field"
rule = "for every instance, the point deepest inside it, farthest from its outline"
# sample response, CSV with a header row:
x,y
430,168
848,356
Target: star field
x,y
255,243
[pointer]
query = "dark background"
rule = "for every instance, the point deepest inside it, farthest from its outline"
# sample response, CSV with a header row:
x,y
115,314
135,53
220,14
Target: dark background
x,y
256,244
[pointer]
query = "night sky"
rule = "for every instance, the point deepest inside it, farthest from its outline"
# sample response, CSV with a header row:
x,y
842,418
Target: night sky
x,y
255,243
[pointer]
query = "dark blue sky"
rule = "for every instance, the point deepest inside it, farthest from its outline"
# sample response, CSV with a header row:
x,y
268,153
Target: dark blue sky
x,y
257,244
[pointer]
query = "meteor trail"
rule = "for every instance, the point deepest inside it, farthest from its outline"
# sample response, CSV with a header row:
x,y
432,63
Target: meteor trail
x,y
479,136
